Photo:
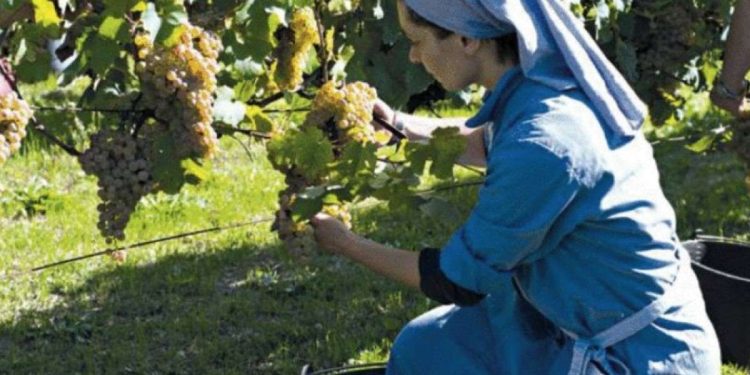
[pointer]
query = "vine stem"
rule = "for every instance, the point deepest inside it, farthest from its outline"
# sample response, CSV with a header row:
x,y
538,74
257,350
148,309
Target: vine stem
x,y
322,48
116,110
250,133
36,125
78,109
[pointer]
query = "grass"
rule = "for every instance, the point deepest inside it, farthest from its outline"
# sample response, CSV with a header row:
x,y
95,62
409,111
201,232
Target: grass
x,y
228,302
220,303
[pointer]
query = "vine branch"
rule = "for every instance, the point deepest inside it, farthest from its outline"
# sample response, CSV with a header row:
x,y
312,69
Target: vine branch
x,y
228,130
322,49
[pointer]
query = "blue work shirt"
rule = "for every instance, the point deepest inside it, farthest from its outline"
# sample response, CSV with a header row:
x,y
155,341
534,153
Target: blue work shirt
x,y
573,218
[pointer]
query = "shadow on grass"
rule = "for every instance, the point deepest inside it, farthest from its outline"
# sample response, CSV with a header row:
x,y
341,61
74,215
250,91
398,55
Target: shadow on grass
x,y
239,309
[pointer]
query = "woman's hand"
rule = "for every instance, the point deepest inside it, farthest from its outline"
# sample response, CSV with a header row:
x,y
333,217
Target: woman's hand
x,y
332,235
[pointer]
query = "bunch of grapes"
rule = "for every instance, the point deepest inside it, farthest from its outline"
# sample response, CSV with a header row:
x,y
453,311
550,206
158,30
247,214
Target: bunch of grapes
x,y
294,44
178,83
340,212
14,116
297,236
350,108
672,35
345,115
124,173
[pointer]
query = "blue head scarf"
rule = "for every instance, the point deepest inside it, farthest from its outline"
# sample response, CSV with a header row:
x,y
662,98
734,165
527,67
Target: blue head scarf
x,y
554,49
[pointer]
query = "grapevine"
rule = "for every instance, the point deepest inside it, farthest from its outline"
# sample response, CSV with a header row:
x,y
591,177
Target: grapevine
x,y
343,117
177,87
14,116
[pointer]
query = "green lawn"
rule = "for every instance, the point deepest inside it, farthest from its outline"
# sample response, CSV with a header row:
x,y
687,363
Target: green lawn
x,y
228,302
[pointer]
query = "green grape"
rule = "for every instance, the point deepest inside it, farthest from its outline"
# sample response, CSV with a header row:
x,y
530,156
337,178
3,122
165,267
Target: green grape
x,y
294,45
350,108
179,83
15,114
124,176
340,212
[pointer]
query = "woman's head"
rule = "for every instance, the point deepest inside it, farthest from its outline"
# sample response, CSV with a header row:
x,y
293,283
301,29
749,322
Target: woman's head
x,y
453,59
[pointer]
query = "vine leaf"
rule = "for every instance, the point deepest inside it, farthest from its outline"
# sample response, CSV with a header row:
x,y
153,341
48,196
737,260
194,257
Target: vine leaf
x,y
168,170
308,151
357,161
444,149
226,109
195,171
703,144
45,14
103,53
258,120
113,27
303,209
173,15
151,21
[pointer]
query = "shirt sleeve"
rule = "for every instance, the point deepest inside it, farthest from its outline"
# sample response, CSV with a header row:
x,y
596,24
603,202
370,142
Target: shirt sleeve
x,y
528,186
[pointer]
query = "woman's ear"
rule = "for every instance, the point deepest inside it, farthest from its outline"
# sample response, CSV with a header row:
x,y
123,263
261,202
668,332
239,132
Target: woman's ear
x,y
470,45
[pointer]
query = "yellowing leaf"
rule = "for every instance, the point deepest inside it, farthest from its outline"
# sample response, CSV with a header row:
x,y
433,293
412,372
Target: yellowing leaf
x,y
45,13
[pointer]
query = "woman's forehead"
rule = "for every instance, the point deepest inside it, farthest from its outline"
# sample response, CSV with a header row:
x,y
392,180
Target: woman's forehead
x,y
408,26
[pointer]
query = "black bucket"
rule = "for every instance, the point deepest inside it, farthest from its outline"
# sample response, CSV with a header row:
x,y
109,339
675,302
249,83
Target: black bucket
x,y
366,369
723,269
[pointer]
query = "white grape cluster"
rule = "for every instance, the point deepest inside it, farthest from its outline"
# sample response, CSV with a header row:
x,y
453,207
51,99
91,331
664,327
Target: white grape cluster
x,y
350,108
124,173
297,236
179,83
14,116
294,45
345,115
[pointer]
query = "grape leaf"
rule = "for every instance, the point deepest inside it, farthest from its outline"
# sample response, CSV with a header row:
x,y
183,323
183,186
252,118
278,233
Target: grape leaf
x,y
112,27
308,151
303,209
103,53
173,16
195,172
258,120
356,161
226,109
151,21
45,14
167,169
444,148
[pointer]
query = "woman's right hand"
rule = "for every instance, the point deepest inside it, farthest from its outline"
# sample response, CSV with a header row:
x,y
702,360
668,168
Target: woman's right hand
x,y
384,112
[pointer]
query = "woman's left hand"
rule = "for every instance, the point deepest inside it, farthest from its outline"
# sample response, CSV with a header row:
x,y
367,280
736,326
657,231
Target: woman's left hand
x,y
332,235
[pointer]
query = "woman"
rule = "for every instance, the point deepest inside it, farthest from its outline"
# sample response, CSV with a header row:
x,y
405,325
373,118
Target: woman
x,y
569,262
